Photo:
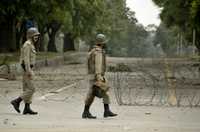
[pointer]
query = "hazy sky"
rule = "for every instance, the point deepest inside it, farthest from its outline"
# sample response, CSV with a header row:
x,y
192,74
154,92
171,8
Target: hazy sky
x,y
146,11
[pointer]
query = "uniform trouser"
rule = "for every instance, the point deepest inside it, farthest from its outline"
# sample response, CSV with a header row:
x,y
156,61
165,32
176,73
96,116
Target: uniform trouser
x,y
28,89
90,95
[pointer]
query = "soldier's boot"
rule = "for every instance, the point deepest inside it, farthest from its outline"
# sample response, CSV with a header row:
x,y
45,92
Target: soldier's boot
x,y
87,114
107,112
16,103
27,110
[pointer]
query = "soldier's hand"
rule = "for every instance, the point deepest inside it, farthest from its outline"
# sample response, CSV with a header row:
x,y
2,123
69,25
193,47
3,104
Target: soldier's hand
x,y
99,78
30,74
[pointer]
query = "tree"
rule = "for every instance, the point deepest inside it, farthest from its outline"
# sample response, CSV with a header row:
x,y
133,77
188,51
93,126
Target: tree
x,y
85,21
8,19
127,36
184,15
49,15
55,14
166,38
195,11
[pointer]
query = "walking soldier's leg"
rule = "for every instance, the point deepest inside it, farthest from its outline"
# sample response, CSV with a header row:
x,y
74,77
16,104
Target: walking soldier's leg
x,y
16,103
88,102
106,101
28,91
90,97
106,98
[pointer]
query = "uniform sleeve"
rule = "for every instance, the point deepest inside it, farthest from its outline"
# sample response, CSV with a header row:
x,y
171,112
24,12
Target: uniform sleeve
x,y
98,65
27,50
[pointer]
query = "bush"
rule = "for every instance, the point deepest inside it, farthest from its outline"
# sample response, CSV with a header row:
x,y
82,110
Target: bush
x,y
120,67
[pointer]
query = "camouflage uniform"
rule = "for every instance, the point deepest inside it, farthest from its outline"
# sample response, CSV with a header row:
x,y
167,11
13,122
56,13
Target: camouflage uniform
x,y
97,83
27,59
96,70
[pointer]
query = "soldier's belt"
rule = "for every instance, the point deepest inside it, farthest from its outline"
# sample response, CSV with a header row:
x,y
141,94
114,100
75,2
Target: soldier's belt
x,y
24,68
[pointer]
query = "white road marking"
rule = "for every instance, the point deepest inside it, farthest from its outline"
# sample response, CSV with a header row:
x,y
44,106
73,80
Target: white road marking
x,y
55,92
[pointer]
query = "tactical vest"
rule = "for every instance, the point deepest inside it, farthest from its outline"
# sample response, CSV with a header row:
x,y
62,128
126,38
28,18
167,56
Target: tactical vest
x,y
91,61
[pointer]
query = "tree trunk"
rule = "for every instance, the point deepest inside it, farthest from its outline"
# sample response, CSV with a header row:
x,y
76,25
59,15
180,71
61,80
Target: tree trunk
x,y
21,33
52,30
197,44
41,43
18,36
68,42
51,44
3,38
8,36
11,35
198,50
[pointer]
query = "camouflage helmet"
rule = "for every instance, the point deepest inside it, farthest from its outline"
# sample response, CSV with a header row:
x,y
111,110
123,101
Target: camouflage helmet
x,y
101,39
32,32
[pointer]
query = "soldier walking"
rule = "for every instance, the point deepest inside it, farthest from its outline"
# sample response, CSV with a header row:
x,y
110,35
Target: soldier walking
x,y
27,61
98,84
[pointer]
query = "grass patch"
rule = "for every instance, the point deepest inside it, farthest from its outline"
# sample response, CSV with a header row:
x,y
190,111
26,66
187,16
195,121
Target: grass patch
x,y
9,58
195,57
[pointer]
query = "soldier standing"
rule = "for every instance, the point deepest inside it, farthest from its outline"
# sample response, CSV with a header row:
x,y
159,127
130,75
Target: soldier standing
x,y
27,61
98,85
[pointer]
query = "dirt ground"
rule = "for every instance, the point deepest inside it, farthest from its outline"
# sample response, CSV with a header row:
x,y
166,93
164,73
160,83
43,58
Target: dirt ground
x,y
60,100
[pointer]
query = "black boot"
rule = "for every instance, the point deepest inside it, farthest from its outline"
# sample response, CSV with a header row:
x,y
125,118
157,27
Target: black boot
x,y
16,104
27,110
87,114
107,112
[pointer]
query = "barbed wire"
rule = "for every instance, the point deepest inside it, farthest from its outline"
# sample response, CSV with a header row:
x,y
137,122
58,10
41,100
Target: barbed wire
x,y
160,84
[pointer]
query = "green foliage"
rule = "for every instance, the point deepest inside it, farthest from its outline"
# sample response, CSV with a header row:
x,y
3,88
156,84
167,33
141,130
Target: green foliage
x,y
126,36
195,11
84,19
166,38
6,59
183,14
